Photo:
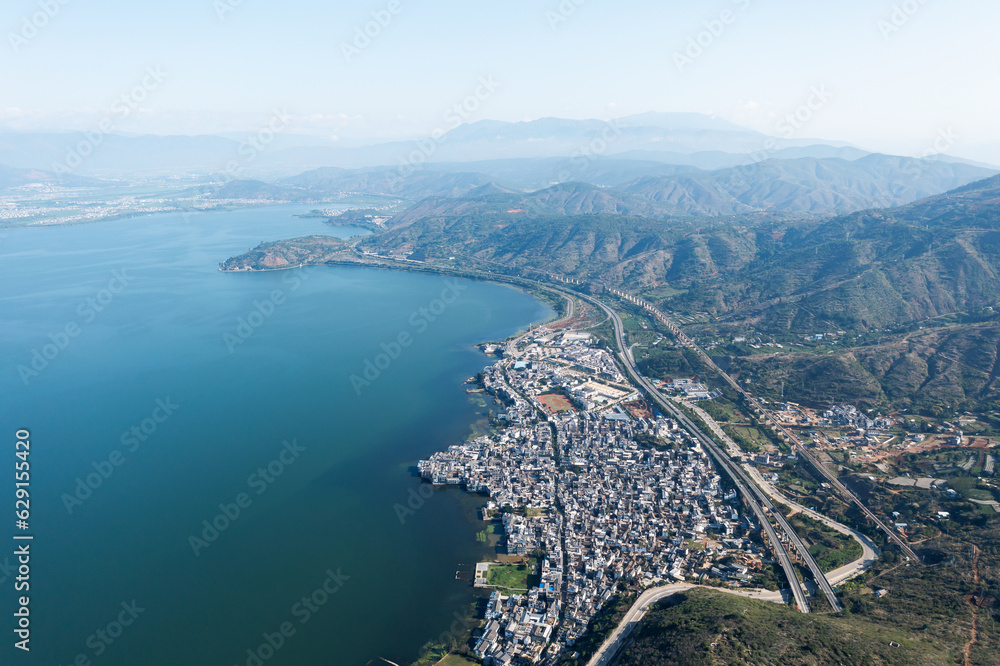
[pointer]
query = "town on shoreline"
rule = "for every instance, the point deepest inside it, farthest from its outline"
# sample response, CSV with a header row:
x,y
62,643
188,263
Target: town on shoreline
x,y
594,494
617,491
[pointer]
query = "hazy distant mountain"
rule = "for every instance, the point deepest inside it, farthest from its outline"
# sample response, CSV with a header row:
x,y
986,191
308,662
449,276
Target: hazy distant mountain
x,y
583,198
711,160
388,182
675,138
674,121
669,137
11,177
829,186
820,151
820,186
556,137
708,160
257,190
525,156
325,178
489,189
986,154
536,174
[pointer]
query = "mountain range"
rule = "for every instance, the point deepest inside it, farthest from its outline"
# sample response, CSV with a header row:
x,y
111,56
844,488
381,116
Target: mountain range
x,y
687,139
871,269
817,186
650,165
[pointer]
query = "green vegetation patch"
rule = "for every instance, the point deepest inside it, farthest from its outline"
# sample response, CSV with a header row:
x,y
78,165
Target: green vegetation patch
x,y
456,660
748,438
704,627
512,576
830,548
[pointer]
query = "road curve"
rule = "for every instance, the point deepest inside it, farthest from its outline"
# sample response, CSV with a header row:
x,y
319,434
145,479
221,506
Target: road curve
x,y
634,616
870,552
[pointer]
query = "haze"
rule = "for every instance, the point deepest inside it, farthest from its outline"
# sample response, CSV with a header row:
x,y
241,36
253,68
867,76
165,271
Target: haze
x,y
893,70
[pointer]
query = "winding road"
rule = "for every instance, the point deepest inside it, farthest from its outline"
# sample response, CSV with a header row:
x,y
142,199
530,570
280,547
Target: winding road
x,y
869,551
633,618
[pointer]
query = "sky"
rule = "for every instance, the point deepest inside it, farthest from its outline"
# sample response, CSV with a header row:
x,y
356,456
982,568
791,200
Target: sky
x,y
892,76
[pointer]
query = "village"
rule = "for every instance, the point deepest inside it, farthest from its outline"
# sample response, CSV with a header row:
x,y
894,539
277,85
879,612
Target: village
x,y
873,439
594,491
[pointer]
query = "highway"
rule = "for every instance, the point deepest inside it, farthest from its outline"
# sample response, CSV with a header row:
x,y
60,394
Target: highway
x,y
797,444
869,551
773,422
750,493
835,482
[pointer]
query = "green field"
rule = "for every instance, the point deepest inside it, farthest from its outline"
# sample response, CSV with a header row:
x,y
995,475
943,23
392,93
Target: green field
x,y
512,576
830,548
748,438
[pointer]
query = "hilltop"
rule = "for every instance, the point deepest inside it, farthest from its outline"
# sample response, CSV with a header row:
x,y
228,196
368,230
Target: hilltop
x,y
702,627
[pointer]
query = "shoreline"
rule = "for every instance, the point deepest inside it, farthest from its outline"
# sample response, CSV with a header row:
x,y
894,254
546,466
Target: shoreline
x,y
226,208
562,307
525,285
131,216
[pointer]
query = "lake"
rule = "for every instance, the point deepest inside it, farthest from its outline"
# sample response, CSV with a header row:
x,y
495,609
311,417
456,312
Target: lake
x,y
208,484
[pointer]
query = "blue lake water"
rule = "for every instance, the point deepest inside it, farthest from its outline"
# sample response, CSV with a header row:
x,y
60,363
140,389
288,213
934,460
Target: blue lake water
x,y
163,388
